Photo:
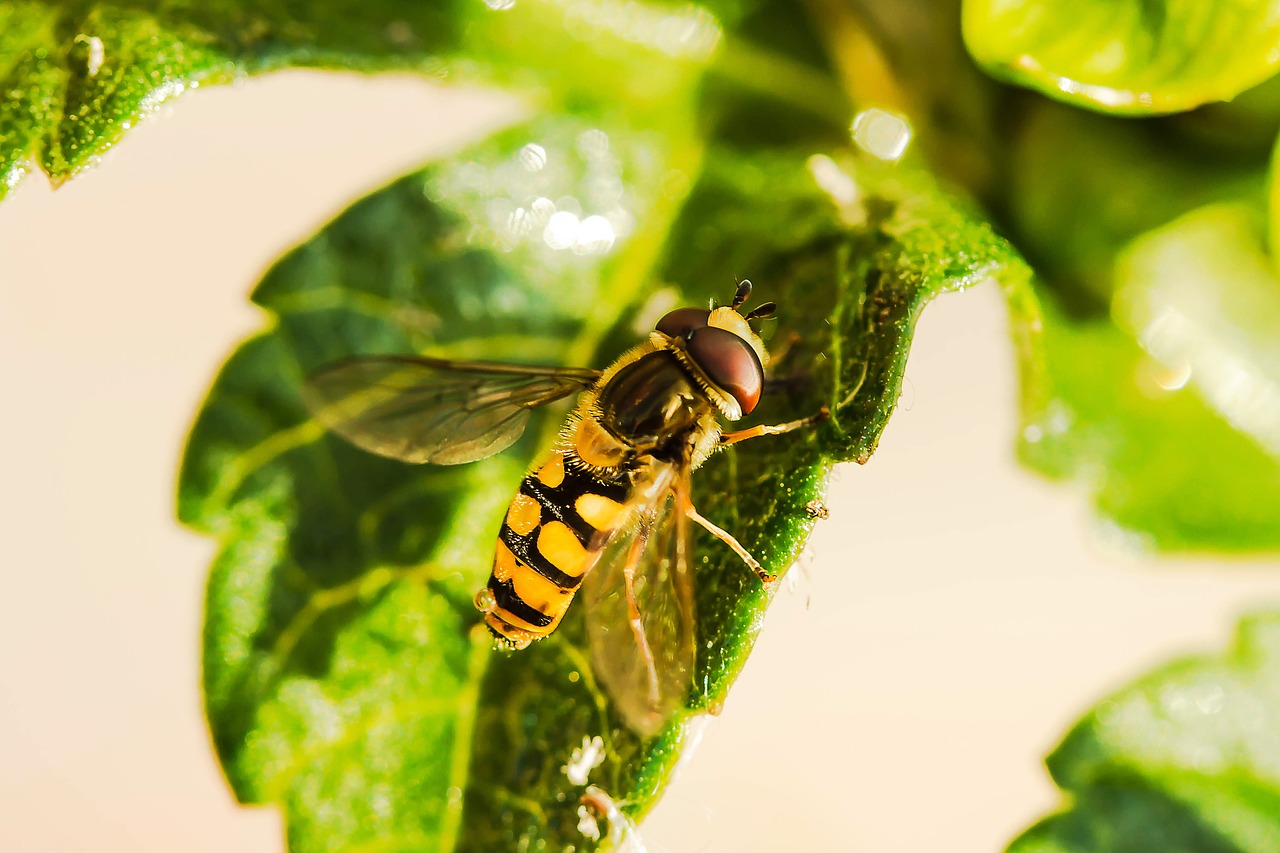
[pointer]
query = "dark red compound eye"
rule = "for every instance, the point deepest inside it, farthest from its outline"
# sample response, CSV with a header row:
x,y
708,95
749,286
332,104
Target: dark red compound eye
x,y
729,362
682,321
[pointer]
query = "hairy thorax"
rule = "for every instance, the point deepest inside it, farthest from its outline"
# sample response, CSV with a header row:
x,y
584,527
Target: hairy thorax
x,y
646,413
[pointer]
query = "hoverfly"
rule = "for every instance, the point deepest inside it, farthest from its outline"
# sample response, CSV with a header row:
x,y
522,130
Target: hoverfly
x,y
608,508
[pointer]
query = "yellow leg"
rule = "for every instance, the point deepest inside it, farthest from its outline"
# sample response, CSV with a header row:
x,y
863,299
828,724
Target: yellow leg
x,y
773,429
727,538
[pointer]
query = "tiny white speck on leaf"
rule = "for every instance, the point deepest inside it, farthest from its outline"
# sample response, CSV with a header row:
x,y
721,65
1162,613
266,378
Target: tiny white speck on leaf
x,y
97,52
587,824
584,760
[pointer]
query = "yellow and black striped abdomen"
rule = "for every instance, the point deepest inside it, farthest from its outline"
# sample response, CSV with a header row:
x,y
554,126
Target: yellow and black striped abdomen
x,y
550,539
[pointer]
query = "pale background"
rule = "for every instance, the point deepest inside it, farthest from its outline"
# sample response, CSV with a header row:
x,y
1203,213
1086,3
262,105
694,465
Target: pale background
x,y
957,614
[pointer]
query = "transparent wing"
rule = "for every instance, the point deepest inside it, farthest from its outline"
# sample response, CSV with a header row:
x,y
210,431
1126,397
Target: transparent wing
x,y
644,655
434,410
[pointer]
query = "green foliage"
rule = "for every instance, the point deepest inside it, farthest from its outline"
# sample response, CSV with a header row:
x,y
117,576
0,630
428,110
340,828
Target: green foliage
x,y
1174,434
1127,56
1149,317
1082,186
78,76
1182,760
344,676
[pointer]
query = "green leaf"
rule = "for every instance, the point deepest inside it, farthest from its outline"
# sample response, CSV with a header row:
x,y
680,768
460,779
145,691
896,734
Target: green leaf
x,y
1082,186
1183,760
1126,56
1179,438
77,76
1273,206
908,57
344,675
1096,204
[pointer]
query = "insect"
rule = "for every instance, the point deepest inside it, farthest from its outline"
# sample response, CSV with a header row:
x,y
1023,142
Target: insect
x,y
607,510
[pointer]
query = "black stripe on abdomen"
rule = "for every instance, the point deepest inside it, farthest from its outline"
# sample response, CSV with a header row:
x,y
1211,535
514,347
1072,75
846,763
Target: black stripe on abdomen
x,y
560,502
504,592
526,550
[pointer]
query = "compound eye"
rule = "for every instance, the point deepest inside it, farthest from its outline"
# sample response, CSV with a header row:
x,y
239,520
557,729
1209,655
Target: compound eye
x,y
730,363
682,321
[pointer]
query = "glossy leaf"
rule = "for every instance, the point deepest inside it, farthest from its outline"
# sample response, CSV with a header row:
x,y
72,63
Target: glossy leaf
x,y
1096,202
1182,760
345,676
1129,56
1168,416
78,76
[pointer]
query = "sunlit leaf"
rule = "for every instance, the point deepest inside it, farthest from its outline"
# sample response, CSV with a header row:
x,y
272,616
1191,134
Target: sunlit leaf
x,y
1172,417
77,77
1182,760
1127,56
344,675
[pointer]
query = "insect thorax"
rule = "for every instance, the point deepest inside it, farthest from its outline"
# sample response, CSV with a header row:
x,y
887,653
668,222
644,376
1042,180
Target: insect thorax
x,y
646,409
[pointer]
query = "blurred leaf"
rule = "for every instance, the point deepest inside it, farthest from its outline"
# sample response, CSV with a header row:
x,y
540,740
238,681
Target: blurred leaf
x,y
1273,207
1162,466
772,64
1080,187
78,76
343,675
1179,438
1202,298
1095,201
1131,57
1183,760
908,57
1241,129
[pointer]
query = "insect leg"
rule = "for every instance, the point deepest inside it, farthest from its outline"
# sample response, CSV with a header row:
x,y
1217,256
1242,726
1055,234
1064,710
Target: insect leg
x,y
687,508
773,429
633,610
681,575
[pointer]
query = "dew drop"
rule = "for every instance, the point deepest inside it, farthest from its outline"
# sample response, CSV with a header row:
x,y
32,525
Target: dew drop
x,y
595,236
593,144
562,230
532,156
881,134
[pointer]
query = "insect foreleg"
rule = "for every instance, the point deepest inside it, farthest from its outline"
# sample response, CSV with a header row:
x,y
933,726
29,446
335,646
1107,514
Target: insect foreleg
x,y
773,429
